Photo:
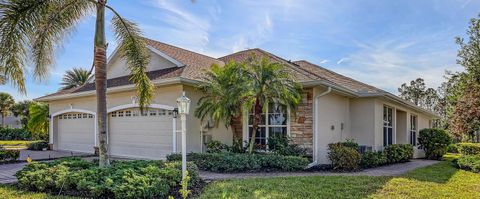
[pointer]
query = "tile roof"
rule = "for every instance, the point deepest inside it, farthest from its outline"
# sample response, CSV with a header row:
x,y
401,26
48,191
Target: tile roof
x,y
338,79
195,64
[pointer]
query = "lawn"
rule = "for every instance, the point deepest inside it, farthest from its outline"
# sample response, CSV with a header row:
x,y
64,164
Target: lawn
x,y
8,192
441,180
15,144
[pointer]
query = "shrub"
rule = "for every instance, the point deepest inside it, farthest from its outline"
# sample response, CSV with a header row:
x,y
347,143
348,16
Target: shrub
x,y
373,159
233,162
9,155
282,146
343,158
434,142
399,153
38,145
469,162
350,143
14,134
452,148
124,179
469,148
215,146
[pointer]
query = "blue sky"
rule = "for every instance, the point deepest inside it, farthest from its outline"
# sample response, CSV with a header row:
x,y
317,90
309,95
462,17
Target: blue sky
x,y
383,43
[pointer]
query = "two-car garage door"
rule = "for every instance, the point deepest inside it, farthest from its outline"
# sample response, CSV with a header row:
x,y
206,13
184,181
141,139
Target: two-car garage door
x,y
132,134
141,135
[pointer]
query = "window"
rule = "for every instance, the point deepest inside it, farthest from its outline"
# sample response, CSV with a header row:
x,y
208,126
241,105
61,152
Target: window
x,y
114,114
69,116
387,125
120,113
413,130
128,113
85,115
273,123
153,112
74,116
162,112
90,116
135,113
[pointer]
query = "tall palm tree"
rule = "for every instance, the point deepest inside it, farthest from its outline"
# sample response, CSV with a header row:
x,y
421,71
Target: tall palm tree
x,y
20,109
38,123
74,78
268,82
6,103
35,27
221,101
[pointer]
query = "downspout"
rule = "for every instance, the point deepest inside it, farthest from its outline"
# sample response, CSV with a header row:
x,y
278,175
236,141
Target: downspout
x,y
315,131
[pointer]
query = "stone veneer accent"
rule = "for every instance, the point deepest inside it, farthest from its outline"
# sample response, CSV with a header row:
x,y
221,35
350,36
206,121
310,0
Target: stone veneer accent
x,y
301,123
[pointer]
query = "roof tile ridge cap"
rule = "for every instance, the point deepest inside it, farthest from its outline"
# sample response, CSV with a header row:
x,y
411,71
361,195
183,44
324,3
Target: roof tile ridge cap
x,y
238,52
328,70
308,74
181,48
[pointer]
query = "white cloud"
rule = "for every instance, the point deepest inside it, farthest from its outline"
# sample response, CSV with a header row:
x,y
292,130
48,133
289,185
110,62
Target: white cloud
x,y
252,39
324,61
342,60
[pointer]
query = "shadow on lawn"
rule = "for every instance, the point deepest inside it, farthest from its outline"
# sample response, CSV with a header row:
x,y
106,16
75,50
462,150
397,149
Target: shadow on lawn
x,y
437,173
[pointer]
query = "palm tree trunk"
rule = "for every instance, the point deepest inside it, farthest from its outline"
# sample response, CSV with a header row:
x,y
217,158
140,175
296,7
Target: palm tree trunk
x,y
3,119
257,116
100,60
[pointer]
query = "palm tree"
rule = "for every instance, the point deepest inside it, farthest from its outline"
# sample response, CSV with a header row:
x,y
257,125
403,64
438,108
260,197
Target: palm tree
x,y
38,123
6,103
35,27
75,78
20,109
268,82
221,101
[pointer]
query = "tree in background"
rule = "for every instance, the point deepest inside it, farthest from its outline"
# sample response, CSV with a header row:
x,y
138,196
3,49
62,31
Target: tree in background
x,y
20,109
418,93
75,78
466,113
32,29
6,104
38,123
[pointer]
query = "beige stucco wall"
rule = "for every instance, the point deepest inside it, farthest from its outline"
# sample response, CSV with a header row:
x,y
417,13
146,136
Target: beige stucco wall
x,y
362,117
118,67
333,111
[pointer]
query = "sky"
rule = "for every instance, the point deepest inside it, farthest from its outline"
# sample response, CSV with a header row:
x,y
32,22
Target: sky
x,y
382,43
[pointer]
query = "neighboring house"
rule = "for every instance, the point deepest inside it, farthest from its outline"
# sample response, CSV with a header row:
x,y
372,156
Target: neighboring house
x,y
334,108
11,121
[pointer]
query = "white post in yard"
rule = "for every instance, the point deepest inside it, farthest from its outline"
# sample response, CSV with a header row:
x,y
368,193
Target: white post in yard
x,y
183,104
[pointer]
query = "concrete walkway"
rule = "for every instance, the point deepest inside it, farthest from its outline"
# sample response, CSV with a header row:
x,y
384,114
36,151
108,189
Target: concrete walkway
x,y
389,170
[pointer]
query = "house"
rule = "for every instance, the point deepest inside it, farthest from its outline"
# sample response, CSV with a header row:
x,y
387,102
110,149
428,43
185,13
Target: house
x,y
11,121
334,108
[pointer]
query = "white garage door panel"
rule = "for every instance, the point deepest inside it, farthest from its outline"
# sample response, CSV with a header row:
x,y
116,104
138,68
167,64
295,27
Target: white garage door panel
x,y
138,136
76,134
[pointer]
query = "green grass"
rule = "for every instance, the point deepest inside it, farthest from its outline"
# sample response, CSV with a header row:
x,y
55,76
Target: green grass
x,y
15,144
9,192
441,180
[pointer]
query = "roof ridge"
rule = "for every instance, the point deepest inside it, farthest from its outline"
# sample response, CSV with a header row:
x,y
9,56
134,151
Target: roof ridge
x,y
181,48
330,71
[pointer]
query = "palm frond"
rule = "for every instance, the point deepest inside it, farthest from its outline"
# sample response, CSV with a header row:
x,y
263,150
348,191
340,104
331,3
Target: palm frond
x,y
53,26
38,122
133,49
75,78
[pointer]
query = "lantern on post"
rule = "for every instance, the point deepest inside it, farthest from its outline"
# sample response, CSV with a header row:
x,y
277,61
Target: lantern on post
x,y
183,104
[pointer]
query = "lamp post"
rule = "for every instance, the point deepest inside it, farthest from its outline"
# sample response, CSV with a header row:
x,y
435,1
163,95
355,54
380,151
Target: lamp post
x,y
183,104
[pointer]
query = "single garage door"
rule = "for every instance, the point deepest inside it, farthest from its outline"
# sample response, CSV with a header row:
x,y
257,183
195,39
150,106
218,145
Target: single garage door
x,y
141,135
76,132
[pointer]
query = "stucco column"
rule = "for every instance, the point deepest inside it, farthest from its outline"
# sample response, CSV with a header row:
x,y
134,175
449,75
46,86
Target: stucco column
x,y
50,132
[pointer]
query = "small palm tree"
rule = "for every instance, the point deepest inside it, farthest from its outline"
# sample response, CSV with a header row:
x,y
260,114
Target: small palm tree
x,y
6,103
221,101
38,123
36,27
20,109
267,82
75,78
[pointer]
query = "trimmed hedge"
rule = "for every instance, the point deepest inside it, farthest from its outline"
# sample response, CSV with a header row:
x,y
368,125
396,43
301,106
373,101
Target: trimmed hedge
x,y
241,162
343,157
14,134
452,148
9,155
469,148
434,142
469,162
373,159
38,145
124,179
396,153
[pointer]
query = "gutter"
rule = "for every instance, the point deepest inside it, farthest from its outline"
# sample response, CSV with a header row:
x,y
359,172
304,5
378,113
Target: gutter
x,y
315,131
